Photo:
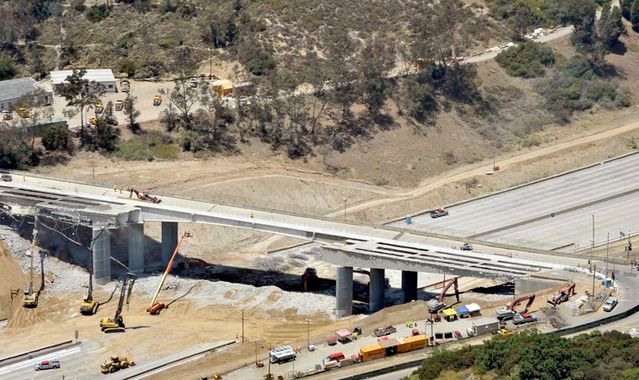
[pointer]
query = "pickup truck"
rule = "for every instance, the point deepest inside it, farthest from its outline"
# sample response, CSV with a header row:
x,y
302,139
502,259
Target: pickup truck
x,y
521,319
383,331
504,313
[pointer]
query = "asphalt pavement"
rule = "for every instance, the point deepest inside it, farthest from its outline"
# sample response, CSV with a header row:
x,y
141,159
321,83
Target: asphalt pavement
x,y
553,213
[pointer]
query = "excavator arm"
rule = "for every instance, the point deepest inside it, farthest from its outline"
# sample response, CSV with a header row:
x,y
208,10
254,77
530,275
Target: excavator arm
x,y
155,307
517,302
450,283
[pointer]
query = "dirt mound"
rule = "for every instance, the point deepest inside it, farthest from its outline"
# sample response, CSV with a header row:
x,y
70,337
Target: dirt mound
x,y
12,280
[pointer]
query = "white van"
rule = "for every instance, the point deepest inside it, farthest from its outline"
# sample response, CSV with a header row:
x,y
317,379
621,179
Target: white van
x,y
47,364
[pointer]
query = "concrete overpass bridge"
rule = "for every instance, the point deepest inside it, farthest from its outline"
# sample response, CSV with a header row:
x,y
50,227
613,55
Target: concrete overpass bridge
x,y
345,245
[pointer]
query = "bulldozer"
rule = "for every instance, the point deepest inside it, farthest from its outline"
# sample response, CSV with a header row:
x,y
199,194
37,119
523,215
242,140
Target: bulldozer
x,y
116,324
89,306
116,363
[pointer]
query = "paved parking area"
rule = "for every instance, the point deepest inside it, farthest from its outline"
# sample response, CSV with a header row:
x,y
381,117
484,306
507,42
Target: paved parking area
x,y
552,213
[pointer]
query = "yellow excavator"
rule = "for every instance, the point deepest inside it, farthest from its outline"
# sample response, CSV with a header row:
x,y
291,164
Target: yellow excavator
x,y
116,324
89,306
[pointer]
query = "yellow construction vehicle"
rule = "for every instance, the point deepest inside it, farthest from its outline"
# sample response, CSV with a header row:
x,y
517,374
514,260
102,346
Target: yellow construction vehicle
x,y
116,324
30,299
89,306
23,112
116,363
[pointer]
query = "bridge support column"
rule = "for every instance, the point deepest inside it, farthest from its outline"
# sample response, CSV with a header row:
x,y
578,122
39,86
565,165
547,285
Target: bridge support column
x,y
169,240
101,256
136,247
344,292
376,290
409,285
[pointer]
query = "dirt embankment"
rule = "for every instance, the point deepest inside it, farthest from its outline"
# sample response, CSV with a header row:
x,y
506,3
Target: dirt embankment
x,y
12,281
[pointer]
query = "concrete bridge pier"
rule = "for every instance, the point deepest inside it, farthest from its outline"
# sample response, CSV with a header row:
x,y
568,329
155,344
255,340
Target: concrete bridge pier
x,y
169,240
136,247
101,255
344,292
409,285
376,290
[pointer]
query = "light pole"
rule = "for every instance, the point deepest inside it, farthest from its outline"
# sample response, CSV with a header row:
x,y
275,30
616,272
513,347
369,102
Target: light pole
x,y
308,333
345,200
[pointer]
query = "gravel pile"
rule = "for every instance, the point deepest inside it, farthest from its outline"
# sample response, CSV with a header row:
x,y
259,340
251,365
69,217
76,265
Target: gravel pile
x,y
64,278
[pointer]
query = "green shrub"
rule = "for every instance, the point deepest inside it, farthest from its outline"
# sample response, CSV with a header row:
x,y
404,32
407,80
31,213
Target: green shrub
x,y
97,13
7,67
148,147
127,65
261,63
528,60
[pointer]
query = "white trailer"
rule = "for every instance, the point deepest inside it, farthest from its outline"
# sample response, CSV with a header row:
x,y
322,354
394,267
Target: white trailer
x,y
483,326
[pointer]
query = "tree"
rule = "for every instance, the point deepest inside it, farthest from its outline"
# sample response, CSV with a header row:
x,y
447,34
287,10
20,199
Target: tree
x,y
184,95
634,15
625,8
57,138
127,65
7,67
80,93
38,111
104,137
374,68
610,27
132,114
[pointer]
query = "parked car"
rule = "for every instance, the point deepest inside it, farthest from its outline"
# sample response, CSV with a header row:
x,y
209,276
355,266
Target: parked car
x,y
99,108
438,213
7,115
467,247
193,82
382,331
119,105
336,356
157,100
47,364
521,319
610,304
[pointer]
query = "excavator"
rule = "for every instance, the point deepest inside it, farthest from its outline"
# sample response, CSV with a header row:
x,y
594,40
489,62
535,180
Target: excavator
x,y
143,195
89,306
508,312
563,295
116,324
437,304
156,307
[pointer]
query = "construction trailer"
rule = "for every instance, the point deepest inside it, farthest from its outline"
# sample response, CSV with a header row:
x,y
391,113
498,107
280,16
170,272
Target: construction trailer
x,y
487,325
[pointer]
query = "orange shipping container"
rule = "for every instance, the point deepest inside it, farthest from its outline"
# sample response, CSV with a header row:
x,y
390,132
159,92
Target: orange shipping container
x,y
372,352
412,343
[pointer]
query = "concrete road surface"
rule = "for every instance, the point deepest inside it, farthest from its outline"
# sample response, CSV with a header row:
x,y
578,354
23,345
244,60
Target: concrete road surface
x,y
552,213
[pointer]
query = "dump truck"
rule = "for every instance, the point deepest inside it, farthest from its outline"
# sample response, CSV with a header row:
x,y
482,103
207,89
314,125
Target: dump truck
x,y
483,326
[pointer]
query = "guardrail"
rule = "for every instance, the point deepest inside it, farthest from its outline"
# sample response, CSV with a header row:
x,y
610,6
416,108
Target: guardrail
x,y
37,352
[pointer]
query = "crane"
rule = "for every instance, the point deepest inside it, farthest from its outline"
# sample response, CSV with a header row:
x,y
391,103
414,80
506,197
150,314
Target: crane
x,y
116,324
156,307
89,306
31,296
437,304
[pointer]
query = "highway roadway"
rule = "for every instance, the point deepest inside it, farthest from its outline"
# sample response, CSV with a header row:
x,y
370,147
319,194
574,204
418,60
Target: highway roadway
x,y
552,213
83,362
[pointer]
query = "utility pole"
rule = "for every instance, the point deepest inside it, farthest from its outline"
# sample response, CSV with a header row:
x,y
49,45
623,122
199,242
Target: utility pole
x,y
607,248
210,65
257,342
345,199
242,325
308,333
592,246
593,282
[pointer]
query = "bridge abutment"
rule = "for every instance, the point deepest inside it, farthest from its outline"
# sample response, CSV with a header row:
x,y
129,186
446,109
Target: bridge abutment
x,y
169,240
376,290
101,255
409,285
344,292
